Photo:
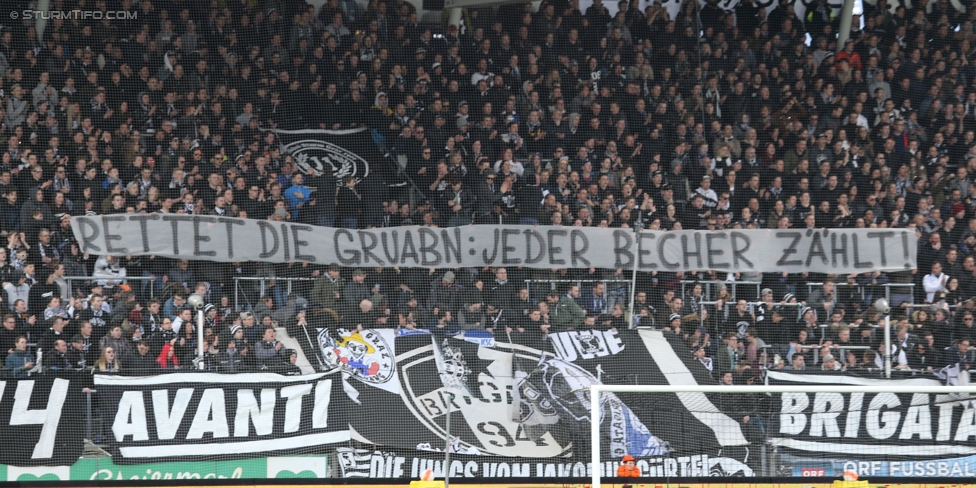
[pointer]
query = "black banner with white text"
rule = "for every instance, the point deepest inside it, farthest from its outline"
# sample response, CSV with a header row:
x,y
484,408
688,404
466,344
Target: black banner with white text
x,y
45,415
189,416
883,425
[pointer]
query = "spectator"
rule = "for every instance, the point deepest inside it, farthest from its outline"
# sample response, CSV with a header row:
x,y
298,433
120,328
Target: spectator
x,y
97,316
798,363
57,357
264,308
355,291
54,333
107,362
326,292
19,362
109,272
830,363
349,203
289,368
628,468
701,359
934,282
270,352
183,319
960,354
77,354
235,357
179,278
115,341
729,356
594,300
568,313
138,361
174,304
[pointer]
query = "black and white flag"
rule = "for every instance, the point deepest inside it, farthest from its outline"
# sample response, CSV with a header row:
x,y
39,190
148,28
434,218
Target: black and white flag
x,y
341,153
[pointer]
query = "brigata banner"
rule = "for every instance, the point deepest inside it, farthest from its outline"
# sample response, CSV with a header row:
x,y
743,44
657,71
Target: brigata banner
x,y
189,416
230,239
873,427
41,419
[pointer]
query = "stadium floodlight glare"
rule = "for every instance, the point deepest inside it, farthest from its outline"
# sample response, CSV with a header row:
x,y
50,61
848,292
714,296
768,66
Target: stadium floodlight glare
x,y
596,390
196,301
882,306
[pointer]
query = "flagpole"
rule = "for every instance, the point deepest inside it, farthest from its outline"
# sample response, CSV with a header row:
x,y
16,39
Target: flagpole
x,y
447,444
633,279
881,305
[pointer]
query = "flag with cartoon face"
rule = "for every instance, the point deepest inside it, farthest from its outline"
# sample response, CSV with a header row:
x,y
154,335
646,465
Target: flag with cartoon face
x,y
367,356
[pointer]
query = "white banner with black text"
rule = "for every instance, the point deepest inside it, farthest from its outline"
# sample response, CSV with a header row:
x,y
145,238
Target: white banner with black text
x,y
543,247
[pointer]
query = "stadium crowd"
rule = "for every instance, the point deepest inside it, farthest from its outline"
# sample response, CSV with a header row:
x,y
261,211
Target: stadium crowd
x,y
713,119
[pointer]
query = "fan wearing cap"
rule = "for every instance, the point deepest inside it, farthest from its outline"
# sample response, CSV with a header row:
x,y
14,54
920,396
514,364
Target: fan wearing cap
x,y
210,318
326,291
458,201
765,304
445,293
234,358
674,324
628,468
830,363
288,367
806,323
710,198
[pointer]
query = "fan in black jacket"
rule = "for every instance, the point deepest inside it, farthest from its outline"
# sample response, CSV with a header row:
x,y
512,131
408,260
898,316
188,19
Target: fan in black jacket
x,y
40,295
8,335
348,203
97,316
54,333
140,361
77,356
57,358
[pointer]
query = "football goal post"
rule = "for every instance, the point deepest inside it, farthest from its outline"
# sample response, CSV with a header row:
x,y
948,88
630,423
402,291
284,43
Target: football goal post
x,y
895,417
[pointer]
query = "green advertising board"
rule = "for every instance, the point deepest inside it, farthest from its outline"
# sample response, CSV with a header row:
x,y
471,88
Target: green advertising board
x,y
105,469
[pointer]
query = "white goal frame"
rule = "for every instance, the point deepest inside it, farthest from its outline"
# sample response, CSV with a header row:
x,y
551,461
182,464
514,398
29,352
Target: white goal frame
x,y
595,391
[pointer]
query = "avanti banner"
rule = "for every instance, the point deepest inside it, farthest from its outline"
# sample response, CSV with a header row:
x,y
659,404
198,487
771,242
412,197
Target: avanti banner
x,y
199,416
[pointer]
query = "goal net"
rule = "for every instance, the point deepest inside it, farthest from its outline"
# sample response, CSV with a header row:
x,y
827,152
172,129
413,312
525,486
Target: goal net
x,y
789,430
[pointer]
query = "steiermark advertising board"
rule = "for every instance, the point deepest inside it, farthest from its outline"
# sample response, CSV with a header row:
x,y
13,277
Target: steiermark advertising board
x,y
104,469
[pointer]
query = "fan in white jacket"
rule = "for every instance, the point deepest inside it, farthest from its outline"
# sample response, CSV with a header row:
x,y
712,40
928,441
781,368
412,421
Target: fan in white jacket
x,y
109,272
934,282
